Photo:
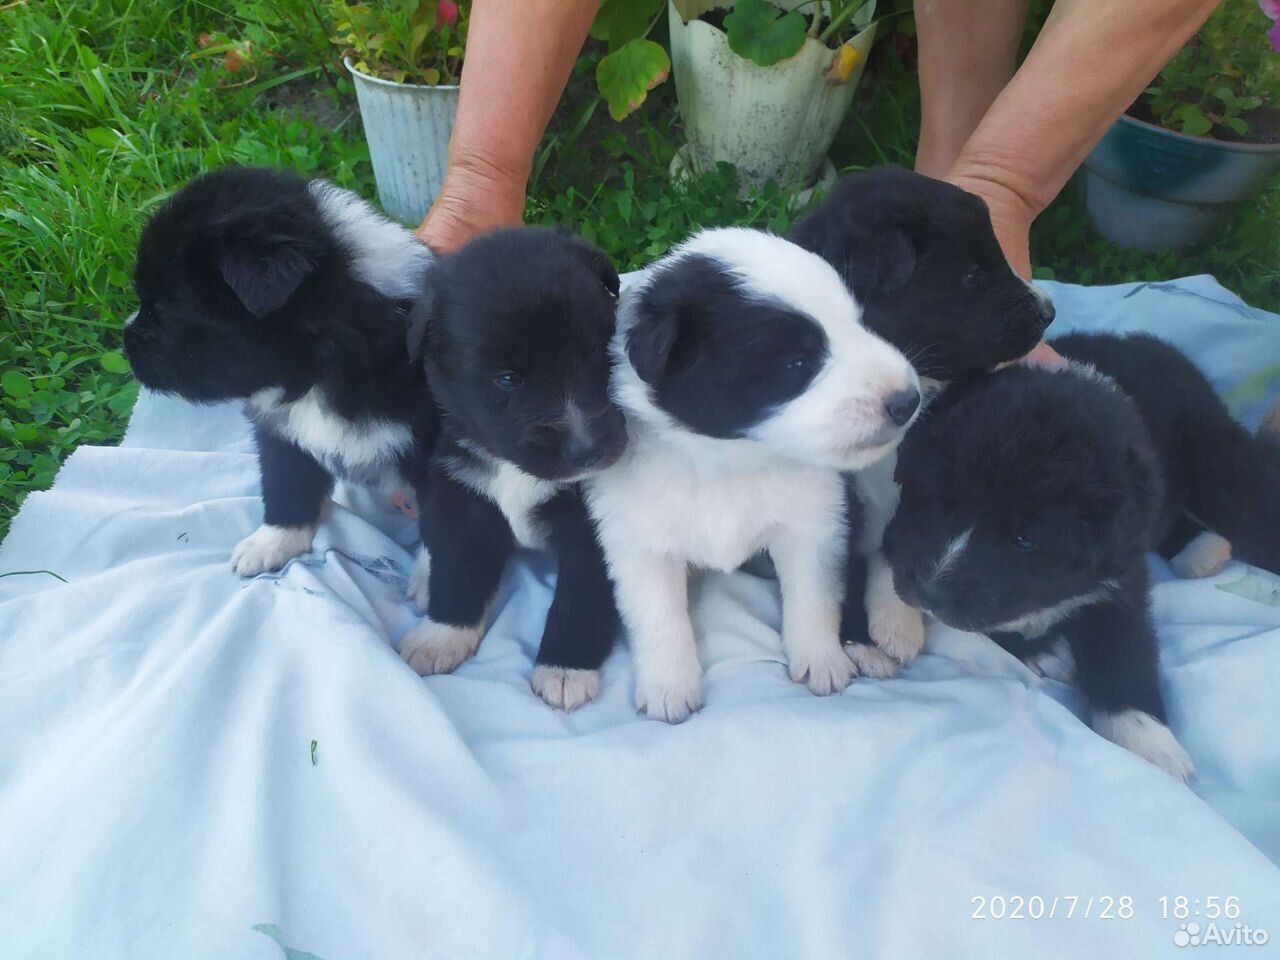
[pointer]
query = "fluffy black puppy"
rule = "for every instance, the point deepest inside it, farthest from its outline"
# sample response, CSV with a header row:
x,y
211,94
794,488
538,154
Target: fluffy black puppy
x,y
921,258
258,285
1031,498
514,337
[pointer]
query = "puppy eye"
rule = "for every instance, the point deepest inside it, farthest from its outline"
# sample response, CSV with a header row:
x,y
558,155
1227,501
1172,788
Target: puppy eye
x,y
507,381
970,279
1023,542
798,362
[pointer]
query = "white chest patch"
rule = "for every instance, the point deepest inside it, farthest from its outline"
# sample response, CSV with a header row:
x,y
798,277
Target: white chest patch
x,y
517,494
879,494
365,451
1037,624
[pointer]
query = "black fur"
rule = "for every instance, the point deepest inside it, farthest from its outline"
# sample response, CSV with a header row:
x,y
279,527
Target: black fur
x,y
538,306
720,359
1067,481
922,259
243,286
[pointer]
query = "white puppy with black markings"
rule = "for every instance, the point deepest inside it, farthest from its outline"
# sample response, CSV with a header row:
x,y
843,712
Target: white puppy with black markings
x,y
749,386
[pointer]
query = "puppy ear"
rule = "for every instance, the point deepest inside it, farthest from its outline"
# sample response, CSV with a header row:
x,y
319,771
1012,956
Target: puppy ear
x,y
895,260
650,340
264,277
599,264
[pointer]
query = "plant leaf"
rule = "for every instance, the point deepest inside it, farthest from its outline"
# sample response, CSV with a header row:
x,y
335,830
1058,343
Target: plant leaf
x,y
1194,122
627,75
15,384
620,21
760,32
114,363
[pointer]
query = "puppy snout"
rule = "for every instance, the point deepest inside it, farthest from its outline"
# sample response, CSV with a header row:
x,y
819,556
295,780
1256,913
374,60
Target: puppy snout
x,y
902,406
598,443
1044,308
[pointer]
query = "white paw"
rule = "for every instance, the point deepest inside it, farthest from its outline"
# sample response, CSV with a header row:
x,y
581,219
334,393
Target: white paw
x,y
672,694
565,688
1056,663
1204,556
871,661
894,627
420,580
270,548
1143,734
432,647
823,667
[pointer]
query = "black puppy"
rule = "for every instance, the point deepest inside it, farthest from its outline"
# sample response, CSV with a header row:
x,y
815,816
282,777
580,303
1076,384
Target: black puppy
x,y
921,258
255,284
1030,500
514,337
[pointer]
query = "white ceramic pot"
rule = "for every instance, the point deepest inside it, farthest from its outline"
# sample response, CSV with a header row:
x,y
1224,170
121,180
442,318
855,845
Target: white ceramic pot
x,y
772,123
407,126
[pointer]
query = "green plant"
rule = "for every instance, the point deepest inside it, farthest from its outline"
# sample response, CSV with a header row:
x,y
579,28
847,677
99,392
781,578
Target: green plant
x,y
757,30
408,41
1225,74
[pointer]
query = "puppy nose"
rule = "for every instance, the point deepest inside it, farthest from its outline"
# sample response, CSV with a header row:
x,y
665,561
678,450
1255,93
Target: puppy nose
x,y
903,405
1047,312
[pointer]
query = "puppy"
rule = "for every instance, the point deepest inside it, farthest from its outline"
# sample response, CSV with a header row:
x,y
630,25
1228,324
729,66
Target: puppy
x,y
1031,498
921,258
514,339
258,285
749,384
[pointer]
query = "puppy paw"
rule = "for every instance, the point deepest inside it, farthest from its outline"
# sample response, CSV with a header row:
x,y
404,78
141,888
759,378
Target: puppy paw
x,y
824,668
1204,556
1143,734
870,661
1056,663
894,627
565,688
269,548
672,694
420,580
432,648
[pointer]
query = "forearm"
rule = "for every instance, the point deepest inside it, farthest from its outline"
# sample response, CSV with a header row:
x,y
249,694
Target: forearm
x,y
518,59
1091,60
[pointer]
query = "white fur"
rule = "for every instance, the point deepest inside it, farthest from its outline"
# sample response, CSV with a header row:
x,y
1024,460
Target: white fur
x,y
1040,622
565,688
1143,734
516,493
383,254
128,321
359,449
270,548
895,627
420,580
951,553
678,499
879,494
1204,556
1055,663
432,647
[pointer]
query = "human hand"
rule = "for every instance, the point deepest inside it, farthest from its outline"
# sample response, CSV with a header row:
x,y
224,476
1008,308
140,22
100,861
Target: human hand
x,y
472,201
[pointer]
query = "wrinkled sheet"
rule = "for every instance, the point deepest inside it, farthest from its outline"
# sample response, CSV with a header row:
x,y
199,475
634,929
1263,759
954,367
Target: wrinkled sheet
x,y
197,766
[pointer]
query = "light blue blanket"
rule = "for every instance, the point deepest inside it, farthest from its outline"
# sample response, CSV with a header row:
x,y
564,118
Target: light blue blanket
x,y
192,766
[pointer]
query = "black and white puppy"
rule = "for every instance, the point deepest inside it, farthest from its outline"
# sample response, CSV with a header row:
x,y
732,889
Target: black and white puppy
x,y
749,384
921,258
257,285
514,336
1031,498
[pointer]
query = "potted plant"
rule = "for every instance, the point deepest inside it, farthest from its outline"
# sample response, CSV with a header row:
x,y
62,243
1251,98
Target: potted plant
x,y
405,58
761,84
1204,137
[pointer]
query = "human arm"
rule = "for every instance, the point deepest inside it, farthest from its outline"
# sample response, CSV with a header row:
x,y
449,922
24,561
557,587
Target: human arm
x,y
518,59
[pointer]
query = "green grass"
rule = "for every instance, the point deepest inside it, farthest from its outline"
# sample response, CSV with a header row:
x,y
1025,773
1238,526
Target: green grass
x,y
107,105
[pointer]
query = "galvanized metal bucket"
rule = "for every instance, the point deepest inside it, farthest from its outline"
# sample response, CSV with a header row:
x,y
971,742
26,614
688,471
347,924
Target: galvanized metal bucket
x,y
408,127
1154,189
